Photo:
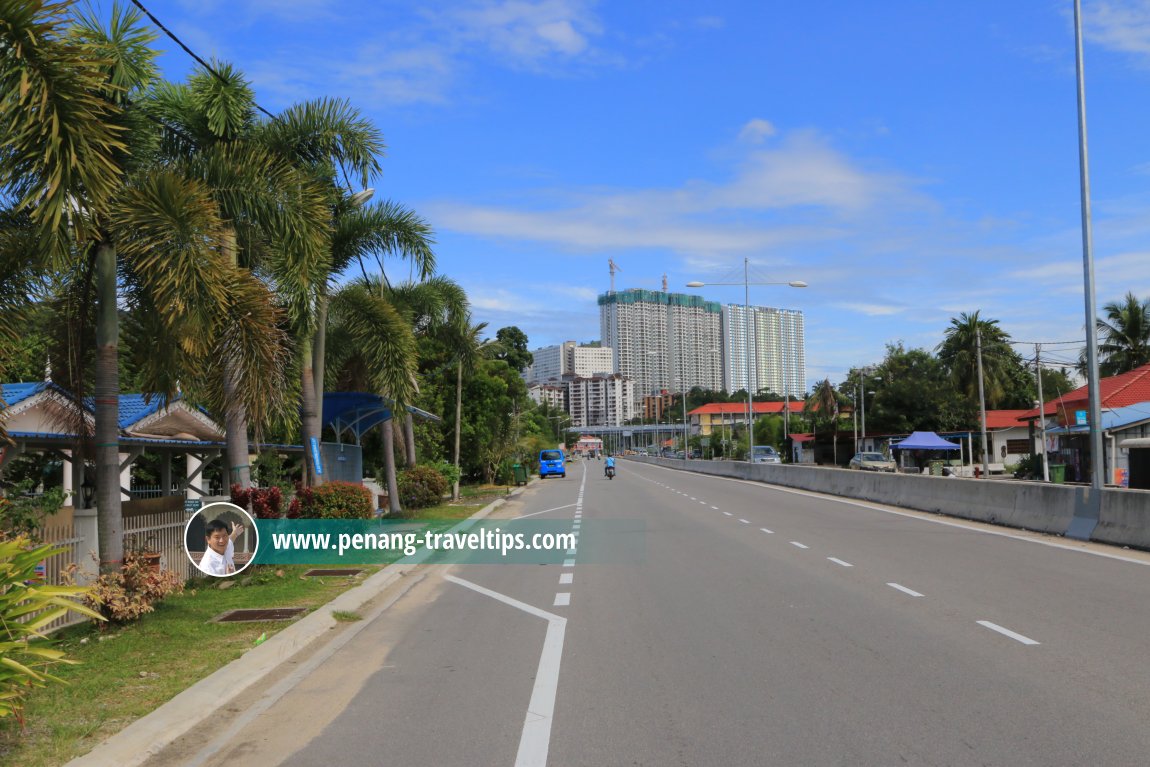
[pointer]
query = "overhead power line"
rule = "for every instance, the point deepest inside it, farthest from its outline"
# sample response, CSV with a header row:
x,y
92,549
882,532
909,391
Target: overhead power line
x,y
190,52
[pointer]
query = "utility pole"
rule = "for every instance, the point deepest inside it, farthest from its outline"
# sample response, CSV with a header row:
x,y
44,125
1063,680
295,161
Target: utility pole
x,y
1041,410
982,401
1094,421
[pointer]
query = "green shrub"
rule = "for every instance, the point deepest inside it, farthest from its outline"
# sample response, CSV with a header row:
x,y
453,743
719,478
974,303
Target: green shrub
x,y
449,471
421,487
22,513
26,607
333,500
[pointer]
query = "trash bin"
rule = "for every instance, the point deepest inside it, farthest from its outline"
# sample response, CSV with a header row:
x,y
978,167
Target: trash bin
x,y
936,468
1058,473
520,473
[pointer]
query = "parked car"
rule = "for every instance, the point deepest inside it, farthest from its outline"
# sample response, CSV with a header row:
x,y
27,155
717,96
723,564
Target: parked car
x,y
766,454
871,462
551,463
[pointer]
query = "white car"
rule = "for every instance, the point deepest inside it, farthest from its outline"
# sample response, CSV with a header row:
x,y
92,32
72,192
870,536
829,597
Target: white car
x,y
766,454
871,462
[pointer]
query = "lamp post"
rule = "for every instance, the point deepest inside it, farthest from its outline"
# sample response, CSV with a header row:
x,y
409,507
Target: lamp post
x,y
746,283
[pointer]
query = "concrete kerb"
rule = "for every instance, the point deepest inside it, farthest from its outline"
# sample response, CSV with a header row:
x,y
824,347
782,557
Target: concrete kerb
x,y
152,733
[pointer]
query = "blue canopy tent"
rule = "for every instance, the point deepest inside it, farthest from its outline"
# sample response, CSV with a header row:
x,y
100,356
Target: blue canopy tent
x,y
926,440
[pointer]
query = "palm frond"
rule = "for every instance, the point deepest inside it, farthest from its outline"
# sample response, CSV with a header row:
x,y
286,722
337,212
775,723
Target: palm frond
x,y
61,133
383,229
169,230
383,337
328,133
225,99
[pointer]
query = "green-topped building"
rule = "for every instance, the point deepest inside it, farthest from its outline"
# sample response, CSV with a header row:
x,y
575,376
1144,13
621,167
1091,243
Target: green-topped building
x,y
663,341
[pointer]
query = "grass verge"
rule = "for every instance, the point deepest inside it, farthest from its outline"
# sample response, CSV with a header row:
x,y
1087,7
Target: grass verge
x,y
129,671
472,498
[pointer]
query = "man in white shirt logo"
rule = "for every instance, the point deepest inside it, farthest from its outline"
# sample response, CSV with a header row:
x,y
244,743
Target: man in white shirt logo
x,y
219,558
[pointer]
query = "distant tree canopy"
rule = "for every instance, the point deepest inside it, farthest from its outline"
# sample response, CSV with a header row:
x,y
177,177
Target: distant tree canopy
x,y
513,348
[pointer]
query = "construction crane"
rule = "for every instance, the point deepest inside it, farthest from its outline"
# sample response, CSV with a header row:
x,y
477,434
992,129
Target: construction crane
x,y
664,282
614,267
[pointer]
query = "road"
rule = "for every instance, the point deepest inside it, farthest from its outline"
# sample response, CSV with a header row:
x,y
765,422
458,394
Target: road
x,y
741,625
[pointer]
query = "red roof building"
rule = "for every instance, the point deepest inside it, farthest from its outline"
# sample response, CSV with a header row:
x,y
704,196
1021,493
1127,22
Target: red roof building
x,y
1116,391
715,415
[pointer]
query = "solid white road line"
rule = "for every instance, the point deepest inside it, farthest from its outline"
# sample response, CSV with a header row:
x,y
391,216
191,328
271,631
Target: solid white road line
x,y
562,599
904,589
566,578
840,562
557,508
535,739
1007,632
799,545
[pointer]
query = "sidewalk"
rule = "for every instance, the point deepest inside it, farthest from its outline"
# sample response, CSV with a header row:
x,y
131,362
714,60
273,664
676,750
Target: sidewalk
x,y
151,734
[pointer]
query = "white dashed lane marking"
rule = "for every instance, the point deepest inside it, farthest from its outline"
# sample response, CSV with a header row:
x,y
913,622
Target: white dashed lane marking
x,y
1007,633
904,590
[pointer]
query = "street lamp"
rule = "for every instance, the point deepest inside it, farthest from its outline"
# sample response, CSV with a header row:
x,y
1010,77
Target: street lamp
x,y
746,283
686,445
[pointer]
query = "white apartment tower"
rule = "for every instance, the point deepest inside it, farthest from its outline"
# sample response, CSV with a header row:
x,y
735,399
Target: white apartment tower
x,y
552,363
600,400
663,341
776,346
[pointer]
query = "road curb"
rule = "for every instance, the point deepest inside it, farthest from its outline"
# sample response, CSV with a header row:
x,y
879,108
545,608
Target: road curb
x,y
152,733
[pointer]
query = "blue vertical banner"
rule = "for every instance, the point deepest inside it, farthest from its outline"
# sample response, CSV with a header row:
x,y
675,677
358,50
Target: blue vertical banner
x,y
315,456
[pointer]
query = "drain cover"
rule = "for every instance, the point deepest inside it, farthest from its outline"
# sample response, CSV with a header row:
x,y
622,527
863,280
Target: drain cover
x,y
317,573
265,614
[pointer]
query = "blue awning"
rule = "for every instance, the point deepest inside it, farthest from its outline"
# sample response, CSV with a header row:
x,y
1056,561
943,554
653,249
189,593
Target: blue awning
x,y
359,412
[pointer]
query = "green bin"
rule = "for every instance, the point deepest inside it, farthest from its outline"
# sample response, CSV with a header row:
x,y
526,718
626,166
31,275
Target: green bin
x,y
1058,473
520,473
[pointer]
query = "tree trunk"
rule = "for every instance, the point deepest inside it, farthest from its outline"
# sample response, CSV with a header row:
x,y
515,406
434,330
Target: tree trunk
x,y
458,425
319,347
389,467
309,418
235,417
409,439
110,520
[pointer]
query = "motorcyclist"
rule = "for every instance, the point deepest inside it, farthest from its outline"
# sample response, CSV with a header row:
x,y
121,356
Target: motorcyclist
x,y
609,466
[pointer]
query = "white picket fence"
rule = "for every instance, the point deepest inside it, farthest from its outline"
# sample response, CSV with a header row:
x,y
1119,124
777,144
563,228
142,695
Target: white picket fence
x,y
154,525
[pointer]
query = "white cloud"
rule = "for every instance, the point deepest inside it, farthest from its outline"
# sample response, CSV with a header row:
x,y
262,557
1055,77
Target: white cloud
x,y
1122,25
528,32
873,310
756,130
803,191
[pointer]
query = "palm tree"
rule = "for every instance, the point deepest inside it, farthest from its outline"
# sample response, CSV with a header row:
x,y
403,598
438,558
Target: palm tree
x,y
959,354
278,216
468,349
77,164
433,307
373,349
378,230
824,408
1126,329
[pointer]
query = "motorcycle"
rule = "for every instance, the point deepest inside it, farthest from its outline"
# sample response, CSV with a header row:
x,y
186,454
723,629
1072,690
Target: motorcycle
x,y
610,470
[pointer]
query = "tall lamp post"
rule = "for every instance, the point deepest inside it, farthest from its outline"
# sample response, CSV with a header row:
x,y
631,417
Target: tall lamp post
x,y
746,283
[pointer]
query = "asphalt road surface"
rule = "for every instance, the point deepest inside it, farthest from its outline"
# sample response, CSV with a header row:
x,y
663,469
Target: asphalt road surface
x,y
739,625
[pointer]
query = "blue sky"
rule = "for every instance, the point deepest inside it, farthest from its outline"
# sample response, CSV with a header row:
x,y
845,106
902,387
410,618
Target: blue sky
x,y
909,159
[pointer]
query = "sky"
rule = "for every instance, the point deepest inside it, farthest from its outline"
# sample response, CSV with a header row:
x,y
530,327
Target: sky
x,y
910,160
